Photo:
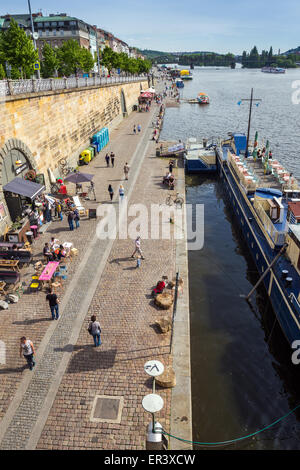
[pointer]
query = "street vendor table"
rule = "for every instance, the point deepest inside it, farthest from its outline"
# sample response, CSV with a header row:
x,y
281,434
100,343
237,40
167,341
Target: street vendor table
x,y
10,263
48,272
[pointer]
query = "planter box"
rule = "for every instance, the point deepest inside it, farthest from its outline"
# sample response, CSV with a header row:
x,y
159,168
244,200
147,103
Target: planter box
x,y
19,235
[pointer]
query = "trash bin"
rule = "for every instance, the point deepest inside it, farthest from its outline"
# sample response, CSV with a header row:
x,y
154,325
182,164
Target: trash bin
x,y
85,157
29,236
91,149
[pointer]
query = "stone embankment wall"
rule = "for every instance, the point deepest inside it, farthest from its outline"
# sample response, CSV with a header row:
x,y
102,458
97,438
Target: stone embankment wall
x,y
55,125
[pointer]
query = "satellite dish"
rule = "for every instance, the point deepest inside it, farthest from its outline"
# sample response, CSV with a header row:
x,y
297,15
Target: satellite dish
x,y
35,36
154,368
152,403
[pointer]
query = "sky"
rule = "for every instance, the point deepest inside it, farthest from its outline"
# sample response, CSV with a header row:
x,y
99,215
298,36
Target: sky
x,y
183,25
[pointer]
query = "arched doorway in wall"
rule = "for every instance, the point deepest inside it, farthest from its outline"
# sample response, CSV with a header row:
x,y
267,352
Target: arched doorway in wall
x,y
16,160
123,104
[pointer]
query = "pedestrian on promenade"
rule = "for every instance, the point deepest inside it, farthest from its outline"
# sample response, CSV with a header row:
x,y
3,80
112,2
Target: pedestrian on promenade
x,y
112,159
53,303
27,349
94,329
121,192
111,192
92,189
134,129
171,164
138,248
107,159
76,218
139,128
138,261
126,170
71,219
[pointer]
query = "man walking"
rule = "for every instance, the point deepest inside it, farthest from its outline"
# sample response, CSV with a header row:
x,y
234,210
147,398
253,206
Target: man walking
x,y
27,349
94,329
138,248
107,160
112,159
126,170
53,303
71,219
139,128
134,129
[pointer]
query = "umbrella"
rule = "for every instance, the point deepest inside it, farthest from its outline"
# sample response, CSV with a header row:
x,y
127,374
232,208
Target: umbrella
x,y
79,177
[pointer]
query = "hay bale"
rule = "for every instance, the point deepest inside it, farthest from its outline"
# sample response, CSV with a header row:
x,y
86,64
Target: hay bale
x,y
164,324
167,379
164,300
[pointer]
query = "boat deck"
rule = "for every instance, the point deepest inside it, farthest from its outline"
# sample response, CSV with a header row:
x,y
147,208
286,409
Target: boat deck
x,y
264,181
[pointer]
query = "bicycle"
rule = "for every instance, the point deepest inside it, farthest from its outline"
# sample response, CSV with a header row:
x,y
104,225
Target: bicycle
x,y
64,168
177,200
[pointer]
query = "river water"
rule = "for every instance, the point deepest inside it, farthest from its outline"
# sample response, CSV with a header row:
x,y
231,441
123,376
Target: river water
x,y
242,375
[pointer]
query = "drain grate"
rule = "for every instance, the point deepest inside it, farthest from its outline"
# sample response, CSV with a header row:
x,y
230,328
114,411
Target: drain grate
x,y
107,409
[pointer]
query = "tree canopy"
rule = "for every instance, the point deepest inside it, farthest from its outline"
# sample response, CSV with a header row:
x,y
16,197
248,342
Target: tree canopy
x,y
267,58
120,60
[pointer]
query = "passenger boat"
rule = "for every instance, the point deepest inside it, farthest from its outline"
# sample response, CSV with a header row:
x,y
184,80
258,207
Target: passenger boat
x,y
186,75
273,70
265,199
179,83
203,98
200,157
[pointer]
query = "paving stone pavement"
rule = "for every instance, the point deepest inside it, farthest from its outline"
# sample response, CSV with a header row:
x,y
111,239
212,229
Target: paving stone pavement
x,y
126,317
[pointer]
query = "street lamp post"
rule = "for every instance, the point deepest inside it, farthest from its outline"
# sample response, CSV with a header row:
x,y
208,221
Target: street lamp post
x,y
32,32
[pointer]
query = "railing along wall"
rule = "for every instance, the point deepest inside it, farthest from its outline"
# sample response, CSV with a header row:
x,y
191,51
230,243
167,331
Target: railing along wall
x,y
18,87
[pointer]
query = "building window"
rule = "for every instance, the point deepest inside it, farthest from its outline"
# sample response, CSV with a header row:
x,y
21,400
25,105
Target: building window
x,y
47,25
54,32
47,32
73,23
40,25
54,23
60,23
74,32
61,32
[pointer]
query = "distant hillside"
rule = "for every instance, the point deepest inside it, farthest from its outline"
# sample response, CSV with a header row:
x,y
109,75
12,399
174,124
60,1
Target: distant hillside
x,y
292,51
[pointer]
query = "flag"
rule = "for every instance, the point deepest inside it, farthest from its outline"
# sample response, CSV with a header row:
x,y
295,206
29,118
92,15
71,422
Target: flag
x,y
239,103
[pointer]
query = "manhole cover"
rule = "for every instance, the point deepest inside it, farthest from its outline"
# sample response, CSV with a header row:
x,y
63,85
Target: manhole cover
x,y
107,409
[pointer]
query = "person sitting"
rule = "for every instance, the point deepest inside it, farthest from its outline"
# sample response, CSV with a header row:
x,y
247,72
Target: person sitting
x,y
171,182
166,178
61,253
47,253
53,242
160,286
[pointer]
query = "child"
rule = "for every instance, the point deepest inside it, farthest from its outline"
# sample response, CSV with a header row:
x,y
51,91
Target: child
x,y
138,261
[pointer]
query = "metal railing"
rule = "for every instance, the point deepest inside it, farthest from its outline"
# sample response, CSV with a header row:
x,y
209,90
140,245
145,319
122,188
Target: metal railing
x,y
277,236
18,87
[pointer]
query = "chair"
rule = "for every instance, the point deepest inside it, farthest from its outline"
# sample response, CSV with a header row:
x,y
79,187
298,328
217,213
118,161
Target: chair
x,y
34,286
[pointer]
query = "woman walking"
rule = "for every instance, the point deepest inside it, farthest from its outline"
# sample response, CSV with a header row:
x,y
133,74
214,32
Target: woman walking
x,y
76,218
107,159
111,192
95,330
70,220
126,170
121,192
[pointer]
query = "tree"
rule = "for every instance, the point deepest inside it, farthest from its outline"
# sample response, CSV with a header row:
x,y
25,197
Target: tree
x,y
17,49
2,72
69,57
107,58
86,60
50,61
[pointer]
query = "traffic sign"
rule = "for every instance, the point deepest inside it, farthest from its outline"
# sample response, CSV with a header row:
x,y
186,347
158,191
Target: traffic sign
x,y
37,65
152,403
154,368
35,36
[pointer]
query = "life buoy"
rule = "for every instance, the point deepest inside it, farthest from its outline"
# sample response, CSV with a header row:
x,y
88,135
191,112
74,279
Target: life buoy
x,y
30,175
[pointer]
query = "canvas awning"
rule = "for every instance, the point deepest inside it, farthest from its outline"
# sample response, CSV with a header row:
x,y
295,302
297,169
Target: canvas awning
x,y
146,94
24,188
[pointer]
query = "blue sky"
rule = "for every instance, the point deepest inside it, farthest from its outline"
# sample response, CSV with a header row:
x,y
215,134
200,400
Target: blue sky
x,y
184,25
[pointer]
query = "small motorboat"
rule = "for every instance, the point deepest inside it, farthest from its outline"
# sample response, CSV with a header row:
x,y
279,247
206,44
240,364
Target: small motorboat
x,y
203,98
179,83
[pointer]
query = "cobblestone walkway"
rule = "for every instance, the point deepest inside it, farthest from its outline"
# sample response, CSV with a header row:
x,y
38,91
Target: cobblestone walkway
x,y
69,371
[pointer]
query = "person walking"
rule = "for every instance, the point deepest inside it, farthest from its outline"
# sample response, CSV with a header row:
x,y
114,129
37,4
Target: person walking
x,y
53,303
92,189
134,129
112,159
171,164
59,210
139,128
138,248
27,349
94,329
111,192
76,218
121,192
107,160
71,219
126,170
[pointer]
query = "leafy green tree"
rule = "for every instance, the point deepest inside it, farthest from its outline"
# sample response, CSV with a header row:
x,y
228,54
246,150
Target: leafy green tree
x,y
17,49
86,60
69,56
2,72
50,62
108,58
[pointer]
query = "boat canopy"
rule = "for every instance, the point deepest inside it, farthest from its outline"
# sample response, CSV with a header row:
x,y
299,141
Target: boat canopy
x,y
184,72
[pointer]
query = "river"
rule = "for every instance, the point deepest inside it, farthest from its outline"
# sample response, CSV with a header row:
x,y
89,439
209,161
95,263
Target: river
x,y
242,375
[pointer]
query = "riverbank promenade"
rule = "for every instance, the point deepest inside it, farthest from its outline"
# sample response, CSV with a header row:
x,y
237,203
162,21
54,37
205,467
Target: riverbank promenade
x,y
55,406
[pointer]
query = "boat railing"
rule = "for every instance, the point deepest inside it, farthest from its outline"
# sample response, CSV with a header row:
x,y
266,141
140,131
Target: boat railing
x,y
295,302
277,236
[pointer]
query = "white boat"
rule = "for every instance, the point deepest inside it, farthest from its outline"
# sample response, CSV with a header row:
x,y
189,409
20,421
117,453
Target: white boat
x,y
273,70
